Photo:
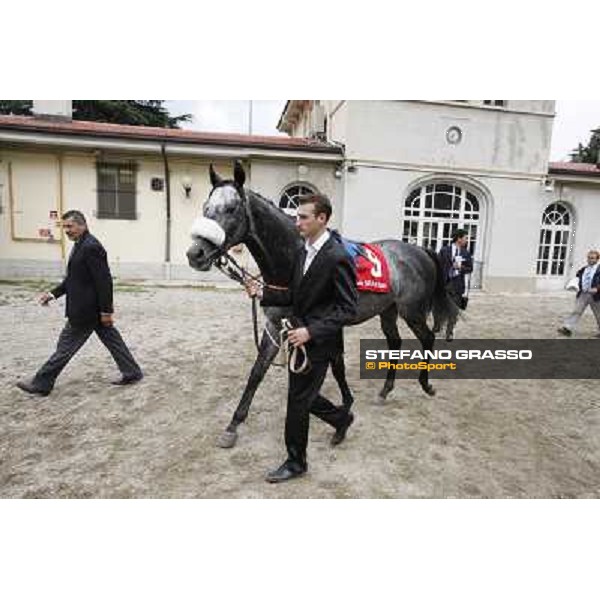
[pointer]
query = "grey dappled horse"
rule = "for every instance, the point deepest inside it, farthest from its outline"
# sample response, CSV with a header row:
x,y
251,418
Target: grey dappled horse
x,y
234,215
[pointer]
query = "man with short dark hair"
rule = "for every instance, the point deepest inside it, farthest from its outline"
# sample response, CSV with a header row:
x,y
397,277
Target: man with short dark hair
x,y
456,262
324,298
587,295
89,290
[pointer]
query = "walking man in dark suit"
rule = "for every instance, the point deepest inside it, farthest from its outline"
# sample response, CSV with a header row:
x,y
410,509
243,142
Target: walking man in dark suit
x,y
89,290
588,294
324,298
456,262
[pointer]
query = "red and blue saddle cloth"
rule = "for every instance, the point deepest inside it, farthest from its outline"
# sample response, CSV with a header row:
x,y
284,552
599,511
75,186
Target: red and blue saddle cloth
x,y
372,271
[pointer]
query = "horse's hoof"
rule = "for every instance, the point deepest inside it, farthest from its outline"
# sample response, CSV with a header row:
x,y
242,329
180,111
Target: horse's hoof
x,y
227,439
429,390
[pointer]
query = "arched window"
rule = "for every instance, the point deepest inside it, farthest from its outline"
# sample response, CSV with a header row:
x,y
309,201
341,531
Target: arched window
x,y
433,212
289,199
554,240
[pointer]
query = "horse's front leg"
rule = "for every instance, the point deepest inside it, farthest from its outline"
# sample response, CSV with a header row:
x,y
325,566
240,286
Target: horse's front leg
x,y
389,326
267,352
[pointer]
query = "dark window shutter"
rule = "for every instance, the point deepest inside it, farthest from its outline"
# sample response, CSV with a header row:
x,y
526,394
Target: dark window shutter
x,y
116,190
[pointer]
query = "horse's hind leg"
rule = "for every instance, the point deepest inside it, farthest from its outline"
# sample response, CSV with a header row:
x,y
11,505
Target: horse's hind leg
x,y
267,353
389,326
418,325
338,369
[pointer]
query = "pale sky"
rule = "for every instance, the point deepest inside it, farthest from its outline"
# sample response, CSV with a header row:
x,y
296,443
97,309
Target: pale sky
x,y
231,116
573,123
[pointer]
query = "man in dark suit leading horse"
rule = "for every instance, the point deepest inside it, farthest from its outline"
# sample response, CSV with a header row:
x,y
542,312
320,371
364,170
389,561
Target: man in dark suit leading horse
x,y
324,298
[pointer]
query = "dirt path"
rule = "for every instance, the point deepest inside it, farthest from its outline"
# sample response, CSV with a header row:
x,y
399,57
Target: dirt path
x,y
157,439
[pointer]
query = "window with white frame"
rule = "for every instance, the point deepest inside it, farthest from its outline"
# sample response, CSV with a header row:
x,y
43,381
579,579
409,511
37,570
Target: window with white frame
x,y
433,212
289,199
554,240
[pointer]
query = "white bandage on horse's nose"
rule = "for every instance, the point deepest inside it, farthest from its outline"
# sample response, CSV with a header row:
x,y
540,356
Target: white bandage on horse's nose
x,y
208,229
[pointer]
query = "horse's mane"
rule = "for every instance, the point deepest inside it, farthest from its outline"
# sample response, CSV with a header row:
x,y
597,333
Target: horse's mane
x,y
277,211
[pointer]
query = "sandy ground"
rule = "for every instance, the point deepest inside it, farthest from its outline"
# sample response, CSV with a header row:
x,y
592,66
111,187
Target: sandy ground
x,y
157,439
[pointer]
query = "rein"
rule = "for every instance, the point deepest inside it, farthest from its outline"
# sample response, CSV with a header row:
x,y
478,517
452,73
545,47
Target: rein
x,y
232,269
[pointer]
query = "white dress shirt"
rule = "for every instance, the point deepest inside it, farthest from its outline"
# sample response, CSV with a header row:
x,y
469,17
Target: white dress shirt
x,y
456,256
588,275
313,249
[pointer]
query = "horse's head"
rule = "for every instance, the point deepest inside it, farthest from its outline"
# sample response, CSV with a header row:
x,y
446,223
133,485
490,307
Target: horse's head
x,y
223,223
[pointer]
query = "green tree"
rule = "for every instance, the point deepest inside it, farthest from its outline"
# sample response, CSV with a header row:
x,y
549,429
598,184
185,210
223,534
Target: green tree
x,y
15,107
125,112
589,153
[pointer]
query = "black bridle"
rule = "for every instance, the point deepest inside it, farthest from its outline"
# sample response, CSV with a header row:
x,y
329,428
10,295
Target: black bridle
x,y
224,262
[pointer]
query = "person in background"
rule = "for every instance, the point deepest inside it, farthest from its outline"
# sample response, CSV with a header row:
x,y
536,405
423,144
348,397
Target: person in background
x,y
88,287
456,262
587,295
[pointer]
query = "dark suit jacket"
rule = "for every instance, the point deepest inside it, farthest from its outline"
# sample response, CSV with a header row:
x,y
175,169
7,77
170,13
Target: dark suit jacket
x,y
88,284
595,281
458,281
323,300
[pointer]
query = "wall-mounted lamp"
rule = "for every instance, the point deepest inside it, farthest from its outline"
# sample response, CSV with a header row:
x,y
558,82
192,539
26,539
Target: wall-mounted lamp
x,y
339,171
352,168
186,184
548,184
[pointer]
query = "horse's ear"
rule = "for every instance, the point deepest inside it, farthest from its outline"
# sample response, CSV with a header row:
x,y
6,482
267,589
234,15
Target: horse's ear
x,y
239,176
215,180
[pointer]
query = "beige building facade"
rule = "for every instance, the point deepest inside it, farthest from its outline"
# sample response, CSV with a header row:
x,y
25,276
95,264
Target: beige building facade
x,y
117,175
413,170
417,170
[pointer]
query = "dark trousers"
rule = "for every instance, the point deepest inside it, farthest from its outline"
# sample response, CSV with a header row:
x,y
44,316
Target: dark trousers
x,y
304,399
456,289
71,339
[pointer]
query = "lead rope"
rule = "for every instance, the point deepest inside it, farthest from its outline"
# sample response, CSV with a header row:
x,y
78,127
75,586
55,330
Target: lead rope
x,y
291,357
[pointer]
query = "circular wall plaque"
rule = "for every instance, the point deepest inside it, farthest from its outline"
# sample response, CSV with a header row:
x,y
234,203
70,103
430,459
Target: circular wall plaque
x,y
454,135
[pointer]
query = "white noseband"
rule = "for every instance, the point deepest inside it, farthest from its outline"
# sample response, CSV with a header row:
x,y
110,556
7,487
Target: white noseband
x,y
208,229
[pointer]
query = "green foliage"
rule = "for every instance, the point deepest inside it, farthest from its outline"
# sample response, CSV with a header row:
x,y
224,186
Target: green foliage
x,y
589,153
127,112
15,107
151,113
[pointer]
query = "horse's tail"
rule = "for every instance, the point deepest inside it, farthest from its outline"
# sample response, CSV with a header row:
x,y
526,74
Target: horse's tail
x,y
442,306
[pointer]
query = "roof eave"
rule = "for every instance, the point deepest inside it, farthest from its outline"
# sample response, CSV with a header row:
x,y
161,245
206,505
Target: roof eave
x,y
188,147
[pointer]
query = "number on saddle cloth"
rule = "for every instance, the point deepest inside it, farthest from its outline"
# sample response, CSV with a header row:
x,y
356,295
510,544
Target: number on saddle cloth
x,y
371,271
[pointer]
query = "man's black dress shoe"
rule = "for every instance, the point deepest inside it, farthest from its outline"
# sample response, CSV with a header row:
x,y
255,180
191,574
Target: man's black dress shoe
x,y
31,389
127,380
340,433
286,471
